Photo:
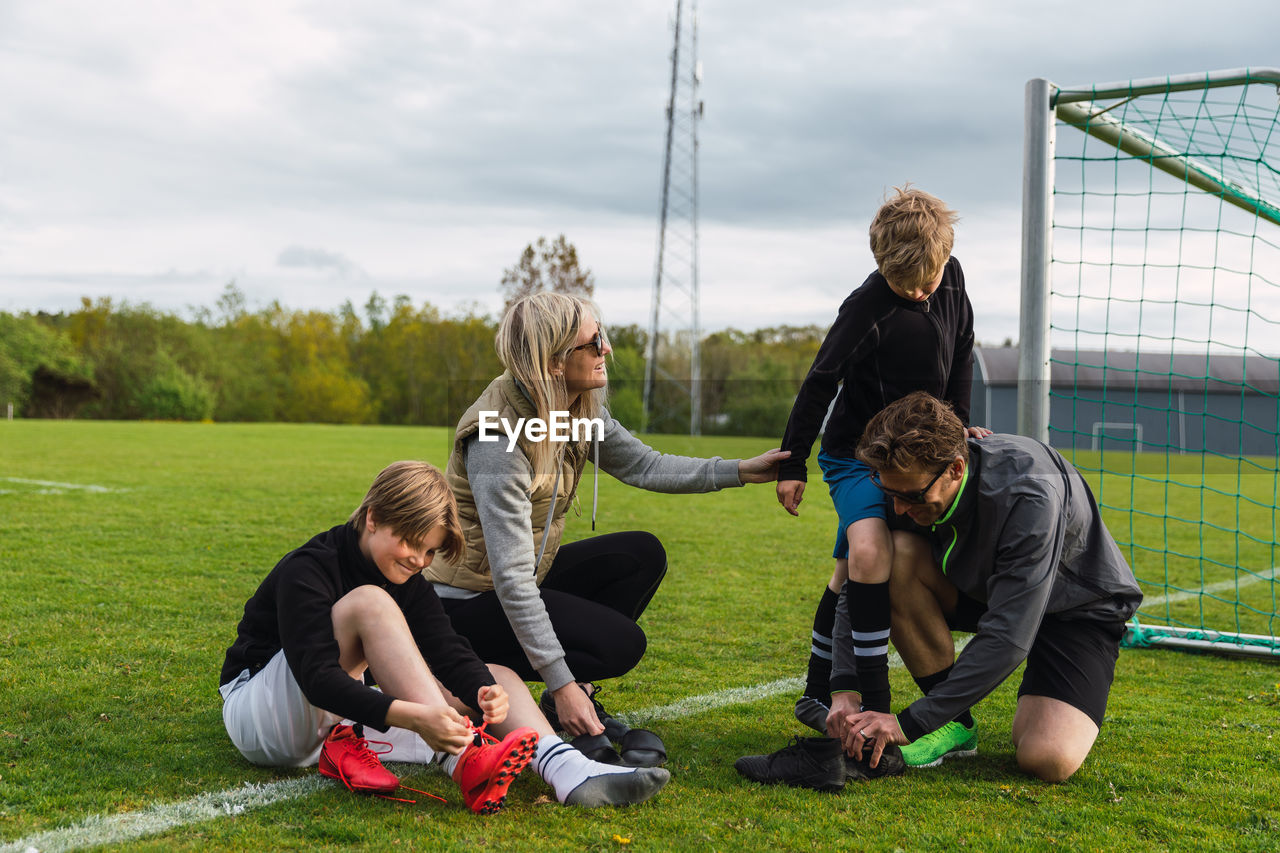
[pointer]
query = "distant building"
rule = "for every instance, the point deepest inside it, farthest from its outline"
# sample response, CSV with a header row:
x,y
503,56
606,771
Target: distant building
x,y
1150,401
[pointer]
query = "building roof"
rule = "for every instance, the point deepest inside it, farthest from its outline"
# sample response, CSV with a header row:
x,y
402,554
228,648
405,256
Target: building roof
x,y
1219,373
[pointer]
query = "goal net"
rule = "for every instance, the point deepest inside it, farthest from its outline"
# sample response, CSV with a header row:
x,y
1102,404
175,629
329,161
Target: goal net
x,y
1150,339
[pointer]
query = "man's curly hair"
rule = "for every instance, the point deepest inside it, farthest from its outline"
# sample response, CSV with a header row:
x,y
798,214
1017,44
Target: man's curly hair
x,y
918,430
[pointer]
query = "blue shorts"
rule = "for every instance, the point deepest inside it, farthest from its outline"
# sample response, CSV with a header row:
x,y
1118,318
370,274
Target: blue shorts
x,y
853,493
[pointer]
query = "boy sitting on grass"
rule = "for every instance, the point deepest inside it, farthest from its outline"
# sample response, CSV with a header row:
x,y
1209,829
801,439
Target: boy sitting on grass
x,y
352,600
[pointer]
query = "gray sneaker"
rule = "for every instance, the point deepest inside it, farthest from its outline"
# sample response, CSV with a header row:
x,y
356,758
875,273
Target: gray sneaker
x,y
808,762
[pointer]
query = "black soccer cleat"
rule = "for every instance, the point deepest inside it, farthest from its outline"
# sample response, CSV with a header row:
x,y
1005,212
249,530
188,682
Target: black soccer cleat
x,y
891,763
808,762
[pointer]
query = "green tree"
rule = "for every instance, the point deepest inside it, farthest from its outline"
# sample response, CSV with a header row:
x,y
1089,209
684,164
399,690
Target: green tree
x,y
547,266
171,393
41,373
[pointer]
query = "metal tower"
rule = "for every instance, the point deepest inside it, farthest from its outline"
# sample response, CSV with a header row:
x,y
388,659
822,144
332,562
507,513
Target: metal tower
x,y
672,362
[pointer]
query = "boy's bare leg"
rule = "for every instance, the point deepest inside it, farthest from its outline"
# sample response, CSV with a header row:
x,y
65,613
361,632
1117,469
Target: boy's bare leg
x,y
371,632
1051,738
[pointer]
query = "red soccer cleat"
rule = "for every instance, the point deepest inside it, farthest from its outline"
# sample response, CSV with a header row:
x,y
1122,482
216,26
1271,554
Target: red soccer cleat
x,y
346,756
488,767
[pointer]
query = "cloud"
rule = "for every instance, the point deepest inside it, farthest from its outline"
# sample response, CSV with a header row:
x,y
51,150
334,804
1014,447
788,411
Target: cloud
x,y
319,259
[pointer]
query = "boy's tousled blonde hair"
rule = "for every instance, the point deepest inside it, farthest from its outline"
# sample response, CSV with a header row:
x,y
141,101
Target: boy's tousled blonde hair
x,y
536,336
413,498
912,236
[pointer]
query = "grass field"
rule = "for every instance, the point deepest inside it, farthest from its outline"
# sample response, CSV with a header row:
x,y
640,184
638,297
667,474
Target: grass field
x,y
118,603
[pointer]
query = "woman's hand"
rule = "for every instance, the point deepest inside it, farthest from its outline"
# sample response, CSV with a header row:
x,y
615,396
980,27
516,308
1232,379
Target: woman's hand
x,y
762,468
492,701
977,432
576,712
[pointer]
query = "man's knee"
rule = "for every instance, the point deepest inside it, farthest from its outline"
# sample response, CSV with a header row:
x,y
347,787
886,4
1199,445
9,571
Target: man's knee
x,y
1048,761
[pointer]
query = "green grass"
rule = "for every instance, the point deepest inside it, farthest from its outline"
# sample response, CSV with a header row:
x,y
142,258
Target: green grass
x,y
118,607
1186,522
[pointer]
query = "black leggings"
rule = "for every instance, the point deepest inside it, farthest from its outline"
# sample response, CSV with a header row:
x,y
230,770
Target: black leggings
x,y
594,592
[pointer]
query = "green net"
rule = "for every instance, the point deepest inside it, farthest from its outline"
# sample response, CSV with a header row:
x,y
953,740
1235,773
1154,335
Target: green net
x,y
1165,327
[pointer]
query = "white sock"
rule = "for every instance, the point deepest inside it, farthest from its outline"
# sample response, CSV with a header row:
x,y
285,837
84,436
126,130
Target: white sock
x,y
448,761
564,768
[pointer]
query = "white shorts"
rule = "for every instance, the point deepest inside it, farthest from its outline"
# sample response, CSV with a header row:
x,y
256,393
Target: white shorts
x,y
271,722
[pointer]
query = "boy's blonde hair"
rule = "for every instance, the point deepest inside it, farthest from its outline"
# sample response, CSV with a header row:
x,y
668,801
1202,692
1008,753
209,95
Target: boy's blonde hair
x,y
538,333
912,236
413,498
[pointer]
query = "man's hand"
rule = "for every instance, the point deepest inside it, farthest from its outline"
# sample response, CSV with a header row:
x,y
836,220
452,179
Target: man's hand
x,y
790,494
492,701
843,706
762,468
577,714
977,432
874,727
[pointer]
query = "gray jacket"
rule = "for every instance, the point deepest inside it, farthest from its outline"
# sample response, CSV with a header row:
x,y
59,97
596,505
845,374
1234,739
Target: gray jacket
x,y
500,481
1023,537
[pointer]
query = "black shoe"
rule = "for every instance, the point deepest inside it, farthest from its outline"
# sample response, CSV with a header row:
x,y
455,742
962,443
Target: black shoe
x,y
891,764
809,762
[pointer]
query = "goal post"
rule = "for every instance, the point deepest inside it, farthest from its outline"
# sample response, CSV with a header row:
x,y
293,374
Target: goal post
x,y
1151,309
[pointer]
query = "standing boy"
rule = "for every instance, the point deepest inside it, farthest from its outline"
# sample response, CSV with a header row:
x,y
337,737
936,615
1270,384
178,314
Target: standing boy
x,y
909,327
352,600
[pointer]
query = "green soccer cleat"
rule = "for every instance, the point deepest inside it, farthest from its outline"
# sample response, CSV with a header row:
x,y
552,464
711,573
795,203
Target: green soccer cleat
x,y
951,741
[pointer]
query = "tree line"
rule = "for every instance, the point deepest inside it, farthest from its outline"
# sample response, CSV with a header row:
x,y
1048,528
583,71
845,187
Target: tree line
x,y
386,363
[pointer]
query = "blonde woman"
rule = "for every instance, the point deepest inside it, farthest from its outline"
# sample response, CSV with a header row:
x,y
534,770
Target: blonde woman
x,y
567,615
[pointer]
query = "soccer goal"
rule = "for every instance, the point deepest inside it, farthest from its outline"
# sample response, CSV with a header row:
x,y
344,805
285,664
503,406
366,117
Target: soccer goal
x,y
1151,300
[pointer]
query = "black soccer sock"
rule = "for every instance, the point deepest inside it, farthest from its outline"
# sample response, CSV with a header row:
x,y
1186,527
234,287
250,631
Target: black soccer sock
x,y
817,684
869,619
926,683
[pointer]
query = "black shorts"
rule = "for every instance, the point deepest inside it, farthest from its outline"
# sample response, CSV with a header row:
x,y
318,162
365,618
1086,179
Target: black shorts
x,y
1071,660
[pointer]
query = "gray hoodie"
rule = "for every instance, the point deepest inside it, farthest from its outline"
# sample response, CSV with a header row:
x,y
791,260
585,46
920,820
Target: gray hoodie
x,y
1023,537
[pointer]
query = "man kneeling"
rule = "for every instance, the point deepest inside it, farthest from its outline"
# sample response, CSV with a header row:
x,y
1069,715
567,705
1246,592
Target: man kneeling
x,y
1004,540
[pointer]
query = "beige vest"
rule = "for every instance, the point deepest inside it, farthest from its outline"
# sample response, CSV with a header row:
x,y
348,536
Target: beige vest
x,y
505,397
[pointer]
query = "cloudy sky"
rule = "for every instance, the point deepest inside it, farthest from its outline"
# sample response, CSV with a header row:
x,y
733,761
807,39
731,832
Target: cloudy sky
x,y
313,152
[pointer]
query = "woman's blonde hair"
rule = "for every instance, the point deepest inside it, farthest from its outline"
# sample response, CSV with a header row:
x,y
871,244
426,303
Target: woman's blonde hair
x,y
413,498
536,337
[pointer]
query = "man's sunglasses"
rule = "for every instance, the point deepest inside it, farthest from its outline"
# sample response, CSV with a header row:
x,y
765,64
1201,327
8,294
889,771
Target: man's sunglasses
x,y
917,497
596,343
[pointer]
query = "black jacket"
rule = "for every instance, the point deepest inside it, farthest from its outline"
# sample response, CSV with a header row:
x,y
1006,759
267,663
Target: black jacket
x,y
882,347
291,610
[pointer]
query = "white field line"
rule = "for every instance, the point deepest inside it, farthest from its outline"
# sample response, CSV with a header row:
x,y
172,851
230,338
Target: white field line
x,y
115,829
51,484
1213,588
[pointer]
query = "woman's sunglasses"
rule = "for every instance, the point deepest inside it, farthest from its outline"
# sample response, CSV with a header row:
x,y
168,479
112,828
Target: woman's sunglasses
x,y
917,497
596,343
